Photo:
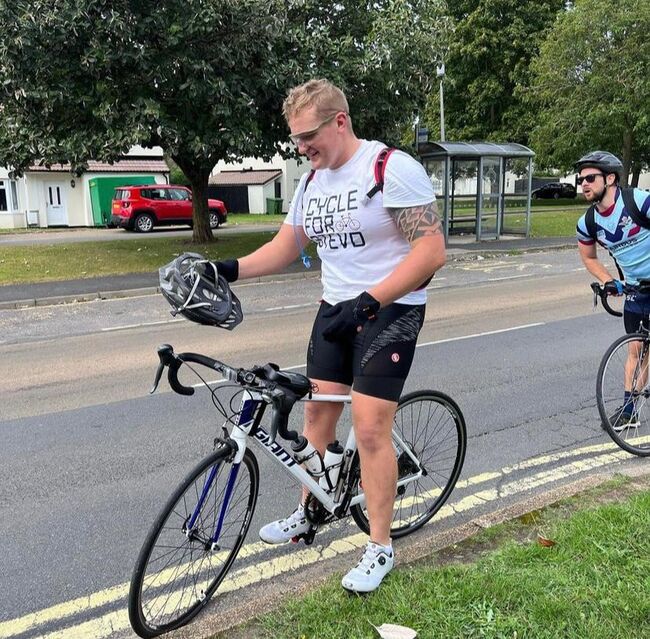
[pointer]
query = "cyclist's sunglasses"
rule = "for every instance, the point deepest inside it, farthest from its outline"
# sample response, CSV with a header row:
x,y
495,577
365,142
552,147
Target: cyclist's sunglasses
x,y
308,136
591,178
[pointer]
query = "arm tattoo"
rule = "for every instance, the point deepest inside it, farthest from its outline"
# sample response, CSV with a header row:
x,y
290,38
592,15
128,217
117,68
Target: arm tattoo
x,y
417,221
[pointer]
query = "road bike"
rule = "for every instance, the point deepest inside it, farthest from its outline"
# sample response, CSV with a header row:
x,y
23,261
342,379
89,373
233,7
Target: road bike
x,y
624,367
195,539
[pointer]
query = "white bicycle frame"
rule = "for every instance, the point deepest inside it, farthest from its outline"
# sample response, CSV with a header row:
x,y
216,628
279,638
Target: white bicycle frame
x,y
246,419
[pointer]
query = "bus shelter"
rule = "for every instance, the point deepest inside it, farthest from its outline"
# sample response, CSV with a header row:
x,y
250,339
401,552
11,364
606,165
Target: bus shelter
x,y
483,187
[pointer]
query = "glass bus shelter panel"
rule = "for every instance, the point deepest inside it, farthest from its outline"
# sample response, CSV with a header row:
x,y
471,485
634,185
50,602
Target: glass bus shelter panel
x,y
490,198
515,196
440,180
464,197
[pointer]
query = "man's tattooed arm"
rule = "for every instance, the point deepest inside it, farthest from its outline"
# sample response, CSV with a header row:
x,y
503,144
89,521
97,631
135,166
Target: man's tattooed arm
x,y
417,221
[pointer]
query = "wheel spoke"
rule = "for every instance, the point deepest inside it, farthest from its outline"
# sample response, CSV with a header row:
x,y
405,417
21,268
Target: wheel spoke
x,y
624,368
177,571
431,426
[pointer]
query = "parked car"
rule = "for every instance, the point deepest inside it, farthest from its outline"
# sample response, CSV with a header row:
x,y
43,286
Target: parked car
x,y
555,190
141,208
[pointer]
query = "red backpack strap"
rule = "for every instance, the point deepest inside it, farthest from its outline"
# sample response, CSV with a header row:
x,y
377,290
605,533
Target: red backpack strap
x,y
380,170
310,177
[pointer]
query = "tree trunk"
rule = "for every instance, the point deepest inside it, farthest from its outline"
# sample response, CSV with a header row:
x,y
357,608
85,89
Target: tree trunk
x,y
628,140
198,176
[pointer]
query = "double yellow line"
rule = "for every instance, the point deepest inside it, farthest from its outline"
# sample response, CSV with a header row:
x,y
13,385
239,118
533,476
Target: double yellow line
x,y
106,625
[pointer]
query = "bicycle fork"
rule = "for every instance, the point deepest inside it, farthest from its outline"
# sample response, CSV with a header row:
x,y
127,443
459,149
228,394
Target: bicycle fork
x,y
244,417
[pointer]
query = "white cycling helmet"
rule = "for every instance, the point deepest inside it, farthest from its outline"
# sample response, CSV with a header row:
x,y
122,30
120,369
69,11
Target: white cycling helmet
x,y
194,288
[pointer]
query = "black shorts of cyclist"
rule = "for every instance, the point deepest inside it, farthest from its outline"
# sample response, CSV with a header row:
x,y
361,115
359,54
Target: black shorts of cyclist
x,y
636,311
377,361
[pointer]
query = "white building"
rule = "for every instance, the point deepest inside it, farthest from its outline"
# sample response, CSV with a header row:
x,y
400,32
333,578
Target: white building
x,y
54,196
245,186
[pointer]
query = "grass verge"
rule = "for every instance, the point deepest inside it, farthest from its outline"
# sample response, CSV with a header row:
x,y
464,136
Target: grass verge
x,y
50,262
554,224
592,583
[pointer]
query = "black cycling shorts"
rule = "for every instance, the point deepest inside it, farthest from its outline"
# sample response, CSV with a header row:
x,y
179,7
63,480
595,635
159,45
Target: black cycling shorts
x,y
636,311
377,360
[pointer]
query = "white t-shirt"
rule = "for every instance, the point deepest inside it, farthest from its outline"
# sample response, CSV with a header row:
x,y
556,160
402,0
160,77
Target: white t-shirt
x,y
359,243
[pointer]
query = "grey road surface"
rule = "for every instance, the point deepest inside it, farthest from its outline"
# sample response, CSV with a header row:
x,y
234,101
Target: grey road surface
x,y
87,457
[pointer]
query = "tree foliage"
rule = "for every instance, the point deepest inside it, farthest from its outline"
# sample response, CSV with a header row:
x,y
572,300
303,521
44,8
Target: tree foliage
x,y
591,84
489,54
203,79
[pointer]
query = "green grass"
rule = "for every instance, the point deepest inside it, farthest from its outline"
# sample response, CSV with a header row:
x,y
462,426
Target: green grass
x,y
549,224
593,583
48,262
562,223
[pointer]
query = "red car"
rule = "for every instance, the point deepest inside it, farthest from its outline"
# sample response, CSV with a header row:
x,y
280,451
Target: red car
x,y
140,208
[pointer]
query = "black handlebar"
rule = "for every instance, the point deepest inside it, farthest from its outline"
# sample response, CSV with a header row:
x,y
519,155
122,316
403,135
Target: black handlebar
x,y
604,293
281,399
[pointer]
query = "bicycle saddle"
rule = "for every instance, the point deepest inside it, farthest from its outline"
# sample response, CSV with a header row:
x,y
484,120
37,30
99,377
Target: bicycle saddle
x,y
295,382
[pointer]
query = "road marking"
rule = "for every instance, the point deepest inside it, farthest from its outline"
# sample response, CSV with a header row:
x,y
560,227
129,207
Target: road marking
x,y
439,341
105,625
500,330
289,306
510,277
128,326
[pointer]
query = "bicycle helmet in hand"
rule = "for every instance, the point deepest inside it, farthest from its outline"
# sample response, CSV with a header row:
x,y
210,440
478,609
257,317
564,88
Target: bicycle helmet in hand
x,y
606,162
194,288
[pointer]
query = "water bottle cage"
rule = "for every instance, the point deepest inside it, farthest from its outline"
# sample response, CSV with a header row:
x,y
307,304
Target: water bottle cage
x,y
328,473
308,458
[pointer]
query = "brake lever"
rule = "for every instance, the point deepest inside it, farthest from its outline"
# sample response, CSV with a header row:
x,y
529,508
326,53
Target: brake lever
x,y
156,381
596,290
165,355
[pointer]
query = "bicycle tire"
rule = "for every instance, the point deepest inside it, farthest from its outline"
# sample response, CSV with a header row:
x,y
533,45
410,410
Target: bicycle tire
x,y
610,386
164,572
439,440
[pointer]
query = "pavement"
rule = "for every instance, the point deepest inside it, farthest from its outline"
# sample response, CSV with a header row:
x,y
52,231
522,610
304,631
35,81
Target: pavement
x,y
133,284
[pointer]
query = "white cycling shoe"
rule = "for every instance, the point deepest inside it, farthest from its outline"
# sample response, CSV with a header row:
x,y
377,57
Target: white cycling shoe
x,y
376,563
283,530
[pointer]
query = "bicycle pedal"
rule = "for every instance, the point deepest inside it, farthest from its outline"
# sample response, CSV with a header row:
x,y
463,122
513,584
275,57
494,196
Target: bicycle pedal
x,y
307,537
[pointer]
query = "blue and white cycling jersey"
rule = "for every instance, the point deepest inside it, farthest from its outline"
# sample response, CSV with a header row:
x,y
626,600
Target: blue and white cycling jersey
x,y
627,241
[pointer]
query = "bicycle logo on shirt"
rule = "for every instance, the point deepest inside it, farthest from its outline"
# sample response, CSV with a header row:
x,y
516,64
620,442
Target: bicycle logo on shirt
x,y
347,222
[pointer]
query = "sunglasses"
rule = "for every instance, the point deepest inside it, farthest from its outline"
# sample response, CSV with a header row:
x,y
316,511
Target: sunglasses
x,y
591,178
308,136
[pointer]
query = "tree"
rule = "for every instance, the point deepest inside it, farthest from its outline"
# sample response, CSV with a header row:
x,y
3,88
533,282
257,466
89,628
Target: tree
x,y
489,54
592,83
203,79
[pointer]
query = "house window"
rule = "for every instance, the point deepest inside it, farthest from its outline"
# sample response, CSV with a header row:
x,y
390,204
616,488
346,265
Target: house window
x,y
278,188
3,196
14,195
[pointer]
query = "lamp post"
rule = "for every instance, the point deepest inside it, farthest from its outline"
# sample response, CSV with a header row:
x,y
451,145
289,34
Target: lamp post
x,y
440,72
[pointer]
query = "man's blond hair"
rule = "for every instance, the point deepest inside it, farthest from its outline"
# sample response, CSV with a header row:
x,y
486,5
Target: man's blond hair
x,y
322,94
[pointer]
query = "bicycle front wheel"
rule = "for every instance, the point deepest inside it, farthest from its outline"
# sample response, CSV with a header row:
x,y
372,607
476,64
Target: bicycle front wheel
x,y
624,367
432,426
193,543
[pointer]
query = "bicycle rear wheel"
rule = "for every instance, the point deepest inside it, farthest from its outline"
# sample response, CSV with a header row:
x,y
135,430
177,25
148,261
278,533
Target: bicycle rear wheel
x,y
193,543
627,423
433,427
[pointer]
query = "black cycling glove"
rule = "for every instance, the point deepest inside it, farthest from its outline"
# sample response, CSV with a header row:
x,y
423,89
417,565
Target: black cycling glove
x,y
613,287
228,269
347,318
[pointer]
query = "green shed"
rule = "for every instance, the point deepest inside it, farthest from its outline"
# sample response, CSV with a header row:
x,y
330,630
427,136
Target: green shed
x,y
101,193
